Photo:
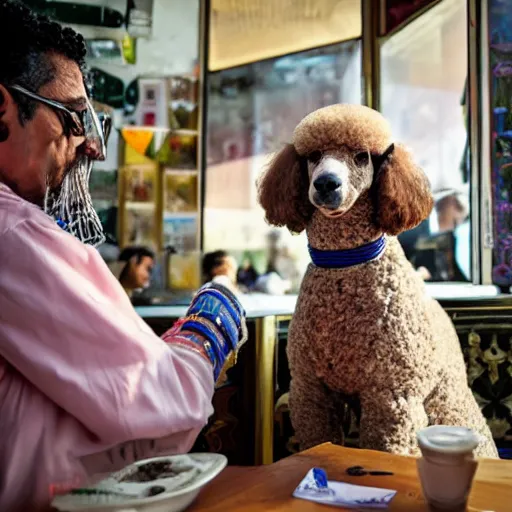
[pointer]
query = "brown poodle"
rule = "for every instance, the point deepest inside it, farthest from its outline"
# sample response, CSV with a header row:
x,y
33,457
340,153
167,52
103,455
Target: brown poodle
x,y
366,331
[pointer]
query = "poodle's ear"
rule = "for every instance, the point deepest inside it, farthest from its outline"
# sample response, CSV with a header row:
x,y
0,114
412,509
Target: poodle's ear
x,y
283,191
403,193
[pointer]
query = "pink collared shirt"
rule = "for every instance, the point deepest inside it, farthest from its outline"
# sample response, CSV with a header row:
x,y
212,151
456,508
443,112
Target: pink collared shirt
x,y
85,386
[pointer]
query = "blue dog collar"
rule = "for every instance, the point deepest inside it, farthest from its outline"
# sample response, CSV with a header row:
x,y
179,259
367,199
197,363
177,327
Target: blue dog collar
x,y
348,257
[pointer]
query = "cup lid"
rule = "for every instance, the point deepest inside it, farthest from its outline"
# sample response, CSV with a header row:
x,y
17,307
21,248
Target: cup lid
x,y
448,439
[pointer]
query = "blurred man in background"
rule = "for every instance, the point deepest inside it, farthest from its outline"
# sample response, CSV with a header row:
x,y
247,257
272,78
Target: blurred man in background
x,y
220,267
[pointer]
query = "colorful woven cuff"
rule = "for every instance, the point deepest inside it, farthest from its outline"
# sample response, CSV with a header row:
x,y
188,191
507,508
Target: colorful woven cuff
x,y
213,305
178,336
225,295
215,345
188,340
202,336
174,330
214,325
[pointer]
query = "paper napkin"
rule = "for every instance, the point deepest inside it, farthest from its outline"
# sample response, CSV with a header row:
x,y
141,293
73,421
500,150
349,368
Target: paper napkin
x,y
316,487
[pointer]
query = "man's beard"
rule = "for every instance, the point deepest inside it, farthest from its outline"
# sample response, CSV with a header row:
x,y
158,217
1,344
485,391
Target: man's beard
x,y
70,204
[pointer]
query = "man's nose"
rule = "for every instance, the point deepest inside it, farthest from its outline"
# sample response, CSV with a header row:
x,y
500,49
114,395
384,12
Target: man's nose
x,y
93,149
326,183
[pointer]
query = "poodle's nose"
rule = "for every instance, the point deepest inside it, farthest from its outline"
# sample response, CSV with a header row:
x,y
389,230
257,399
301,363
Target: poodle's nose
x,y
327,183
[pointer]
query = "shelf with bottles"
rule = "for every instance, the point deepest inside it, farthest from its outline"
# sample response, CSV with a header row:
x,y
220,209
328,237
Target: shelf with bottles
x,y
163,134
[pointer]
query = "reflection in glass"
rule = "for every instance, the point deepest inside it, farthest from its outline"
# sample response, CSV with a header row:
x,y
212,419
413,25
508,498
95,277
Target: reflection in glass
x,y
500,30
423,95
252,112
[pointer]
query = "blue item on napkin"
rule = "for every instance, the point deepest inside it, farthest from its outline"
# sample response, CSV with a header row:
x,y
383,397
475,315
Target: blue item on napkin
x,y
316,487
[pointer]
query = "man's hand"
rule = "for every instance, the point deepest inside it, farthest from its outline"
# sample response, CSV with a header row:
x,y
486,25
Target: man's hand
x,y
215,325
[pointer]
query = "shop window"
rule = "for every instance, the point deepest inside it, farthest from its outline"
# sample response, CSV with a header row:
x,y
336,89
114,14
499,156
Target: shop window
x,y
252,112
425,66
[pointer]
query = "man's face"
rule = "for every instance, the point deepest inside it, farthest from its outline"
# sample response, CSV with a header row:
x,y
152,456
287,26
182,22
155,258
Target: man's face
x,y
39,152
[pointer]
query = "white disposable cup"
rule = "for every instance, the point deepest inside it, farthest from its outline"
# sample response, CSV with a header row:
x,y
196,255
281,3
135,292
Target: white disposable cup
x,y
448,465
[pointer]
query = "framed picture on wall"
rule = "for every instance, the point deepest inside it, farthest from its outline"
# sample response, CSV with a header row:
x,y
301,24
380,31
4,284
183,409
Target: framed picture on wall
x,y
139,227
179,150
138,205
140,183
180,191
183,92
180,231
185,271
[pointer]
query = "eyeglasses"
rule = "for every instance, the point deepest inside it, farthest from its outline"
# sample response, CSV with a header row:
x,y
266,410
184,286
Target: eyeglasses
x,y
74,122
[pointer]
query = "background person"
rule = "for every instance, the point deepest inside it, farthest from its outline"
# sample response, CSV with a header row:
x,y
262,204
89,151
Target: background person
x,y
220,267
134,268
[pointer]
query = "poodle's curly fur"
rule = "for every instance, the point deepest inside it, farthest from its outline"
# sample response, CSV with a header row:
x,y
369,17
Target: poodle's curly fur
x,y
369,331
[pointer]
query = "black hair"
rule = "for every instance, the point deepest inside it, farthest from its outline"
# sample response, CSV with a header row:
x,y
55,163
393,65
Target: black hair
x,y
27,41
211,261
135,251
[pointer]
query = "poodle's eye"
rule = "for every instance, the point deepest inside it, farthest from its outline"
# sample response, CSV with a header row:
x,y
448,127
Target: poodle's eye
x,y
315,157
362,159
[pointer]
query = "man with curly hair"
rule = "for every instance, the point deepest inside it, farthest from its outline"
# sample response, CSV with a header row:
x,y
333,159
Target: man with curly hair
x,y
85,386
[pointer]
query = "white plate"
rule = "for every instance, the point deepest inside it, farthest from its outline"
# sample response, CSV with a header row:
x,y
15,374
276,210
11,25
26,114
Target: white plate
x,y
203,468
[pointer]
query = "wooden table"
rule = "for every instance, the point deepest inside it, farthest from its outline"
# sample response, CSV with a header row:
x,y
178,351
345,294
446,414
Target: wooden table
x,y
270,487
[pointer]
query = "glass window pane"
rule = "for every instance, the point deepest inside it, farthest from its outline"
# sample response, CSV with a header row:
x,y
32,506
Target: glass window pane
x,y
425,66
252,112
